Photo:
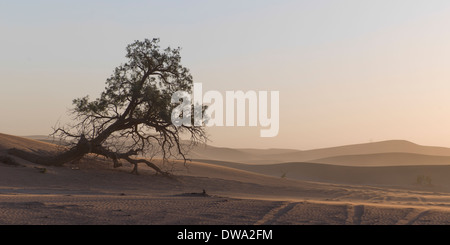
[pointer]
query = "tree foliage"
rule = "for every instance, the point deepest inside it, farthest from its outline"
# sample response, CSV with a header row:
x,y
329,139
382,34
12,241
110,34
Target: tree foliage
x,y
132,116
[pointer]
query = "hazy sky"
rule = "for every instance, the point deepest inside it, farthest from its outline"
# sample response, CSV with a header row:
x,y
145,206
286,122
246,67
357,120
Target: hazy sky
x,y
348,71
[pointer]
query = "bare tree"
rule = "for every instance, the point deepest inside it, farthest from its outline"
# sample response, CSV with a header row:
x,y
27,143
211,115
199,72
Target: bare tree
x,y
133,114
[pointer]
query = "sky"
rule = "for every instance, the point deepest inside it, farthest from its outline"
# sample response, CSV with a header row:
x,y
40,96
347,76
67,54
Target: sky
x,y
347,71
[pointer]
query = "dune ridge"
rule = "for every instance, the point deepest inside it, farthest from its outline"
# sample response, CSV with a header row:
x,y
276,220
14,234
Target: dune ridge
x,y
267,156
293,193
383,153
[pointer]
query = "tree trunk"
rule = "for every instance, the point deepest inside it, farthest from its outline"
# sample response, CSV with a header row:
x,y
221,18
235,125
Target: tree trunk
x,y
82,148
57,160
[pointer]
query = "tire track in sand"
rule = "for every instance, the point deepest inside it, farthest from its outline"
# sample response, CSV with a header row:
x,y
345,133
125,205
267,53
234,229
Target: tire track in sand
x,y
354,214
275,213
412,216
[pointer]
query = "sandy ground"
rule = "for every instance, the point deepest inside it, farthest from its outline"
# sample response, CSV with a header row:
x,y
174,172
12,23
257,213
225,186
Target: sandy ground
x,y
91,192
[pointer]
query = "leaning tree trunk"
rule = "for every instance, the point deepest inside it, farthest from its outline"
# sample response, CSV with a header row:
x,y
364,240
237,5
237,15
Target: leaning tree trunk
x,y
75,153
82,148
56,160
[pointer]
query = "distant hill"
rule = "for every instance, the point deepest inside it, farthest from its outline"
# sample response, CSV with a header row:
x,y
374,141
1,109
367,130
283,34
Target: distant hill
x,y
384,153
434,168
386,159
391,146
398,152
384,175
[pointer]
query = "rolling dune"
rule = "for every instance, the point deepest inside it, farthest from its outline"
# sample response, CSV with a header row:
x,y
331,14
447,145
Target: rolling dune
x,y
385,159
327,155
407,177
92,192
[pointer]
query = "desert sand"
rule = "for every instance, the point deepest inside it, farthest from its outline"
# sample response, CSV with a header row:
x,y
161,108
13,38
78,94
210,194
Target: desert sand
x,y
295,193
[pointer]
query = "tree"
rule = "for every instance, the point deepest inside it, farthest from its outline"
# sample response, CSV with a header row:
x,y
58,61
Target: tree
x,y
133,114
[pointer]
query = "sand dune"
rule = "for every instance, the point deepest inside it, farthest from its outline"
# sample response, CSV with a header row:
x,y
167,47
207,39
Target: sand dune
x,y
92,192
11,141
386,159
390,146
399,176
370,150
385,153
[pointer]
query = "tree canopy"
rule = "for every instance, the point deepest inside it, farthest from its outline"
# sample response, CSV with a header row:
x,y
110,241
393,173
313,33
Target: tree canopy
x,y
132,116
